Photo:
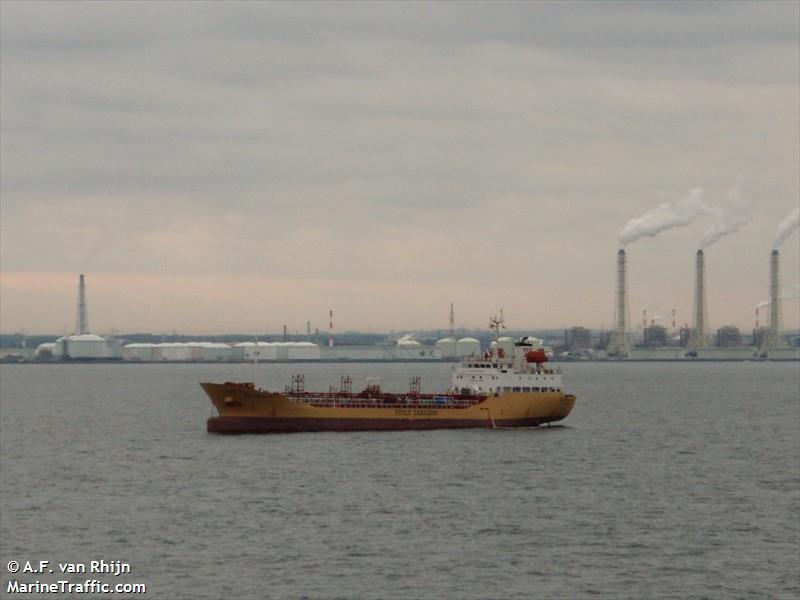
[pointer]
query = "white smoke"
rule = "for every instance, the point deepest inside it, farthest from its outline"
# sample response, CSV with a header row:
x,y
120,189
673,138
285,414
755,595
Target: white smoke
x,y
787,226
792,295
787,296
728,218
664,216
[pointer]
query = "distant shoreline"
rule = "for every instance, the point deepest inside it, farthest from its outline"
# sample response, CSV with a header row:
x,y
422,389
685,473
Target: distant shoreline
x,y
10,361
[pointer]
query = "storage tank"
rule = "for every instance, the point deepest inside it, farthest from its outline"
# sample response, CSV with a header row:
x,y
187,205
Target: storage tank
x,y
468,346
247,351
304,351
266,351
240,350
216,352
196,350
46,350
282,350
59,347
174,351
141,352
448,347
507,345
86,346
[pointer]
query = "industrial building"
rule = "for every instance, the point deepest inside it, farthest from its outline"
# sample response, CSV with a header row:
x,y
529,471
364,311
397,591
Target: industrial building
x,y
220,352
82,345
695,341
578,338
729,336
656,335
386,352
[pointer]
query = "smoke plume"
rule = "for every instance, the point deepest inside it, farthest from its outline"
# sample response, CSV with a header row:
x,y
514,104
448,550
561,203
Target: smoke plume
x,y
728,219
787,226
664,216
793,295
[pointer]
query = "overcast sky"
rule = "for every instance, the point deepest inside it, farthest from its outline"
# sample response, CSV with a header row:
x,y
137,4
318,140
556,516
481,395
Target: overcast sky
x,y
221,167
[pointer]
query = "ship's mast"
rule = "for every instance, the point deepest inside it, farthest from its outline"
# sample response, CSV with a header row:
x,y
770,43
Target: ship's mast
x,y
496,324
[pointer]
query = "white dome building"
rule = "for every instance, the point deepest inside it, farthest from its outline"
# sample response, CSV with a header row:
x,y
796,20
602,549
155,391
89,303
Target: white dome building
x,y
87,346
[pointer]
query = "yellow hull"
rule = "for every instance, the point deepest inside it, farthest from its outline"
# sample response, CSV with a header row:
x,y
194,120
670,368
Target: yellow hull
x,y
243,409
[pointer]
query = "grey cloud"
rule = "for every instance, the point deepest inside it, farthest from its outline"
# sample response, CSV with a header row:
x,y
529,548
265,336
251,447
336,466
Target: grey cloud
x,y
366,120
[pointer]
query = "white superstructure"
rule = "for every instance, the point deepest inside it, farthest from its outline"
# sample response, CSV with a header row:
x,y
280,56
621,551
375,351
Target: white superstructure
x,y
495,372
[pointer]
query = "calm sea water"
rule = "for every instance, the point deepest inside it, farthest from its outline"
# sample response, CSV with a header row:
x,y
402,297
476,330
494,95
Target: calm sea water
x,y
667,481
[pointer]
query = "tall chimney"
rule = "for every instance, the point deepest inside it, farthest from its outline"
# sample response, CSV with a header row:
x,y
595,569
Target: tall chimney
x,y
618,344
82,322
699,336
774,336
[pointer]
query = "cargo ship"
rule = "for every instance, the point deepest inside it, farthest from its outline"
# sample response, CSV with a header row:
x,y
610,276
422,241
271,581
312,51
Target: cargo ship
x,y
491,390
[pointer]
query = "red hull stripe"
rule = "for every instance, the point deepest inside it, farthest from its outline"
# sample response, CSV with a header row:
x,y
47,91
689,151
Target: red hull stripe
x,y
291,425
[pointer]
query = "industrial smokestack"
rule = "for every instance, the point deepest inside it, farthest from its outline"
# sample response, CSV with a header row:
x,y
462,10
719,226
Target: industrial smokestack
x,y
618,344
82,321
774,336
699,336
